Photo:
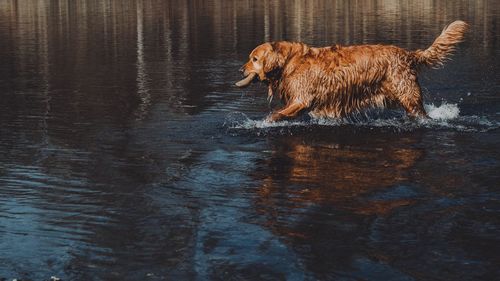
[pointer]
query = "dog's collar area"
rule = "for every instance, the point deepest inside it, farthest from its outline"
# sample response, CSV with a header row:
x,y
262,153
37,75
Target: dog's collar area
x,y
274,74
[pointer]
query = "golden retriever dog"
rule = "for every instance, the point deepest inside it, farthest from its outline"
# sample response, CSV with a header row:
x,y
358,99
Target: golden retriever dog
x,y
338,80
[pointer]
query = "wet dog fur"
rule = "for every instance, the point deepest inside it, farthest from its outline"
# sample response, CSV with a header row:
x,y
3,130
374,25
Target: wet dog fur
x,y
335,81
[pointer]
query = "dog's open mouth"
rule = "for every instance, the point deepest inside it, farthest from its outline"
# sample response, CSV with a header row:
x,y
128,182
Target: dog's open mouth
x,y
247,80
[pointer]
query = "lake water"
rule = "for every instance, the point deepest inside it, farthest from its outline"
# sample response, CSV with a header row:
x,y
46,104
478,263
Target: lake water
x,y
126,153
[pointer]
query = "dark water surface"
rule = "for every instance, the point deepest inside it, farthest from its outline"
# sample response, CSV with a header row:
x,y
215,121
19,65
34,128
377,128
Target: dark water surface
x,y
126,153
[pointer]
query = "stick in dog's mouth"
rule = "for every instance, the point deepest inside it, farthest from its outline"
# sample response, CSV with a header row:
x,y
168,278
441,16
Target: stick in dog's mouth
x,y
246,81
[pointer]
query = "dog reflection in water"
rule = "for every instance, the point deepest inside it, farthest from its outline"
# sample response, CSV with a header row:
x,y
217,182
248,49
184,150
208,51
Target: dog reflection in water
x,y
340,175
337,80
322,197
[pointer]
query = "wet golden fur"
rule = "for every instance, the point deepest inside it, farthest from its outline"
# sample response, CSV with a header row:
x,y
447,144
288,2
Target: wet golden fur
x,y
337,80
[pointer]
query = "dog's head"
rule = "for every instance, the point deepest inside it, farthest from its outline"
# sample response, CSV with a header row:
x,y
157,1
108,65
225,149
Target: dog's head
x,y
263,60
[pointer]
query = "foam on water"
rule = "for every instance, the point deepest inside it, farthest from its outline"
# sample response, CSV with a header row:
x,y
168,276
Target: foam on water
x,y
444,116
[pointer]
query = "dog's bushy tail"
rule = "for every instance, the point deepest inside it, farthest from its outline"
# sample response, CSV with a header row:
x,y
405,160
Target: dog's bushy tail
x,y
437,54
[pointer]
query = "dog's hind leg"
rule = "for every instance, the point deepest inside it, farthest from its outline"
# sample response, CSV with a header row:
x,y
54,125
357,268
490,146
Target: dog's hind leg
x,y
409,94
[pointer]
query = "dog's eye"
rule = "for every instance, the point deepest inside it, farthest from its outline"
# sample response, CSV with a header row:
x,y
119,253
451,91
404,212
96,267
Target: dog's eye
x,y
254,58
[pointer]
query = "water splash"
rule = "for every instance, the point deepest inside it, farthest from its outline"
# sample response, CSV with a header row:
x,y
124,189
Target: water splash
x,y
239,120
445,111
444,116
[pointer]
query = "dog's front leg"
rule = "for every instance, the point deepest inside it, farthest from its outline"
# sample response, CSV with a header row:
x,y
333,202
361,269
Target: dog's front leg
x,y
290,111
270,94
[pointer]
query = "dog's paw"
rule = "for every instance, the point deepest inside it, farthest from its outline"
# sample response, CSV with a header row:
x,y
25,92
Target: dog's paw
x,y
273,117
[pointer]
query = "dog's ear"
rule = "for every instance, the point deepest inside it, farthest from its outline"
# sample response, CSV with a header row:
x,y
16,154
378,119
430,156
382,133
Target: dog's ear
x,y
274,57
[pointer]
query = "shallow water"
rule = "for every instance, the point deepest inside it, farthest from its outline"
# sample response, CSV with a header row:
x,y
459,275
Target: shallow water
x,y
126,153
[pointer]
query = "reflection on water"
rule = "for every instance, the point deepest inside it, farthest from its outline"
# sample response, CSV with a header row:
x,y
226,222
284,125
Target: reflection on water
x,y
350,169
117,161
